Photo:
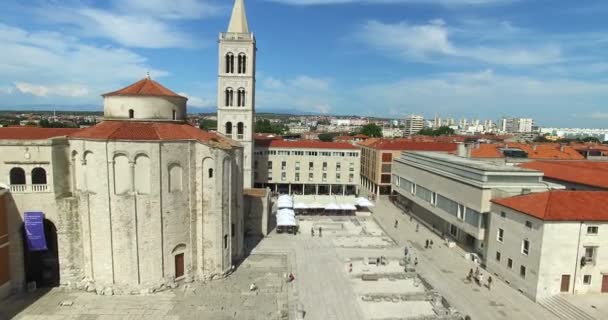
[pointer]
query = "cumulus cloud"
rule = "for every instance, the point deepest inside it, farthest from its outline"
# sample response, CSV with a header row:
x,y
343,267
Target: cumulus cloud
x,y
64,90
301,93
198,102
435,2
597,115
432,42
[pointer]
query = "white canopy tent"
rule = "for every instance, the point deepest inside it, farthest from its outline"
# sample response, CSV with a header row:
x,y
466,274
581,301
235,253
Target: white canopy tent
x,y
364,202
285,201
286,217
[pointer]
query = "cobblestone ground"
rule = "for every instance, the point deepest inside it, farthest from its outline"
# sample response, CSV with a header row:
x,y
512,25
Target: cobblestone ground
x,y
229,298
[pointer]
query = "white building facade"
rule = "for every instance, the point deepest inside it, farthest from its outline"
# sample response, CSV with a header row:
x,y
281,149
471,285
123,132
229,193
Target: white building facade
x,y
413,124
543,244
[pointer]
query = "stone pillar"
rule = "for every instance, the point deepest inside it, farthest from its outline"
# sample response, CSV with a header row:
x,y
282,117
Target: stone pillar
x,y
290,189
316,189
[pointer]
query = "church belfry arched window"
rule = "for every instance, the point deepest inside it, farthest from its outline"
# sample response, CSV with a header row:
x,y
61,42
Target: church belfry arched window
x,y
240,97
242,65
229,62
229,129
229,97
240,128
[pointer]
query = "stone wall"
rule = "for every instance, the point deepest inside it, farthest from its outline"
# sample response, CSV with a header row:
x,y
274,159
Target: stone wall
x,y
257,212
4,248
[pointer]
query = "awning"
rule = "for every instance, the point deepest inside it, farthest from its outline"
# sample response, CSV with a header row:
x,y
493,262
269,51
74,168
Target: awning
x,y
285,202
333,206
363,202
286,217
300,205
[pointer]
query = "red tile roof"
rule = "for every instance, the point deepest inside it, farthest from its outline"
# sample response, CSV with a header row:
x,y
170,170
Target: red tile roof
x,y
407,144
545,151
152,131
144,87
561,205
303,144
34,133
590,173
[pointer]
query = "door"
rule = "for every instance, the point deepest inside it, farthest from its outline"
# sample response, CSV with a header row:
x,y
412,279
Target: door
x,y
179,265
605,283
565,286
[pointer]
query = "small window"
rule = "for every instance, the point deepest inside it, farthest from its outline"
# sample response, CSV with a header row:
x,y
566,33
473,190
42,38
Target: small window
x,y
500,235
528,224
503,214
587,279
311,165
522,271
225,241
525,247
434,198
310,176
497,256
592,229
210,173
461,211
283,176
324,166
413,188
232,228
174,115
510,263
297,176
269,164
131,114
283,165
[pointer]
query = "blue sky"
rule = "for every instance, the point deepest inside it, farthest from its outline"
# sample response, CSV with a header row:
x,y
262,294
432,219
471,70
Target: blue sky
x,y
545,59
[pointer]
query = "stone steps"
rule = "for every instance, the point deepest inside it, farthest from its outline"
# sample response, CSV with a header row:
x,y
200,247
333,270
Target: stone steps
x,y
564,309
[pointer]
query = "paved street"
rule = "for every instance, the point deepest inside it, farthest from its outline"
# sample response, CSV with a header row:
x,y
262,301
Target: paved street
x,y
446,270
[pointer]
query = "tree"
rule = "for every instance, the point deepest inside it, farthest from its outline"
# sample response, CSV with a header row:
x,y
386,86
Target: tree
x,y
326,137
371,130
591,139
265,126
206,124
441,131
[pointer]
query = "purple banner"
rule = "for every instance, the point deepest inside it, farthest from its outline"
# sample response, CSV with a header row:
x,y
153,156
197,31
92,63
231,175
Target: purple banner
x,y
34,230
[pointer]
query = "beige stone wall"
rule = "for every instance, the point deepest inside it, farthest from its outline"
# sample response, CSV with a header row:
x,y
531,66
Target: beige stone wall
x,y
144,108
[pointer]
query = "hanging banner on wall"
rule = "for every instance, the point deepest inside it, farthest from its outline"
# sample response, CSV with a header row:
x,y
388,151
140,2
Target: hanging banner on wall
x,y
34,231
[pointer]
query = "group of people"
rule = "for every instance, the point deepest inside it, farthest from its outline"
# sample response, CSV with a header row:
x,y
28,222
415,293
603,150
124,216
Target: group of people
x,y
428,244
479,277
312,231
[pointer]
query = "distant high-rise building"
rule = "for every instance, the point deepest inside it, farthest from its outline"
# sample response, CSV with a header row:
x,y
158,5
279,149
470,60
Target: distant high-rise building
x,y
413,124
516,125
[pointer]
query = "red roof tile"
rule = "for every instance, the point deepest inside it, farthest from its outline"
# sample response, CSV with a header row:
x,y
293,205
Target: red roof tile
x,y
303,144
152,131
34,133
407,144
588,173
545,151
561,205
144,87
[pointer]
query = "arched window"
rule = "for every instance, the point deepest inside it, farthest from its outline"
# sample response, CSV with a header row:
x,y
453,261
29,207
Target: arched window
x,y
210,172
38,176
241,97
174,115
142,174
229,62
17,176
229,97
242,63
131,114
122,174
175,177
229,128
239,130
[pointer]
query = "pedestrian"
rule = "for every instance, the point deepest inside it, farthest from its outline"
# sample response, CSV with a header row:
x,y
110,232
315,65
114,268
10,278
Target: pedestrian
x,y
312,231
396,223
417,226
415,261
320,232
489,282
426,244
431,244
470,276
405,251
377,262
350,267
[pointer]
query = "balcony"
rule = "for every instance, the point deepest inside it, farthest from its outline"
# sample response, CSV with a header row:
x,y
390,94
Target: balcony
x,y
236,36
27,188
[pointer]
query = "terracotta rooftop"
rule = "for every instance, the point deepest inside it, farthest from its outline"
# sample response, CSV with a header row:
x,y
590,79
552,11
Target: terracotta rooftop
x,y
34,133
590,173
407,144
303,144
152,131
545,151
144,87
561,205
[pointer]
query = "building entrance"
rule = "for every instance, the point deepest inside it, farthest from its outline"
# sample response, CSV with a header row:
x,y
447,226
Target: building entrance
x,y
42,267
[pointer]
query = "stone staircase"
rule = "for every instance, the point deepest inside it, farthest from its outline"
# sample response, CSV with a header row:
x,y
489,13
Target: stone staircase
x,y
563,309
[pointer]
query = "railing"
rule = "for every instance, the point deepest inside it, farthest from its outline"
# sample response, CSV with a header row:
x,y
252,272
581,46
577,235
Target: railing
x,y
236,36
25,188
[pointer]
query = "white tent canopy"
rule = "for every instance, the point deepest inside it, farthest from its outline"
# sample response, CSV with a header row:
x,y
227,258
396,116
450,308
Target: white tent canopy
x,y
285,201
364,202
286,217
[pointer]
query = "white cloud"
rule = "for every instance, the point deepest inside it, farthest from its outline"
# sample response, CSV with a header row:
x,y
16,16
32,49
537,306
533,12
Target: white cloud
x,y
302,93
432,42
273,83
64,90
598,115
49,64
198,102
439,2
175,9
309,83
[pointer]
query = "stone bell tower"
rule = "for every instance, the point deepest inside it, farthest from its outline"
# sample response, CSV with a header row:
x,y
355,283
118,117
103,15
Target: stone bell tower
x,y
236,86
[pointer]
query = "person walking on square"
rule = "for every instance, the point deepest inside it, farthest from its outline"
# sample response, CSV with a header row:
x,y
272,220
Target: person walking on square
x,y
320,232
489,282
396,223
312,231
417,227
416,262
426,244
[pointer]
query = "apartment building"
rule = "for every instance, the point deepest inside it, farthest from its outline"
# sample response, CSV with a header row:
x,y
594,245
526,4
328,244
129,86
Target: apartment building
x,y
552,242
307,167
452,194
5,284
377,157
413,124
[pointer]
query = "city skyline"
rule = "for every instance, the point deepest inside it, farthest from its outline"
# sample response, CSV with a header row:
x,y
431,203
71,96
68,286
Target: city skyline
x,y
473,59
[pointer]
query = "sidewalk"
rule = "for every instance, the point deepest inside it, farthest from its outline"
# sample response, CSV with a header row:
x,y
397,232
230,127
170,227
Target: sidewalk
x,y
446,270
